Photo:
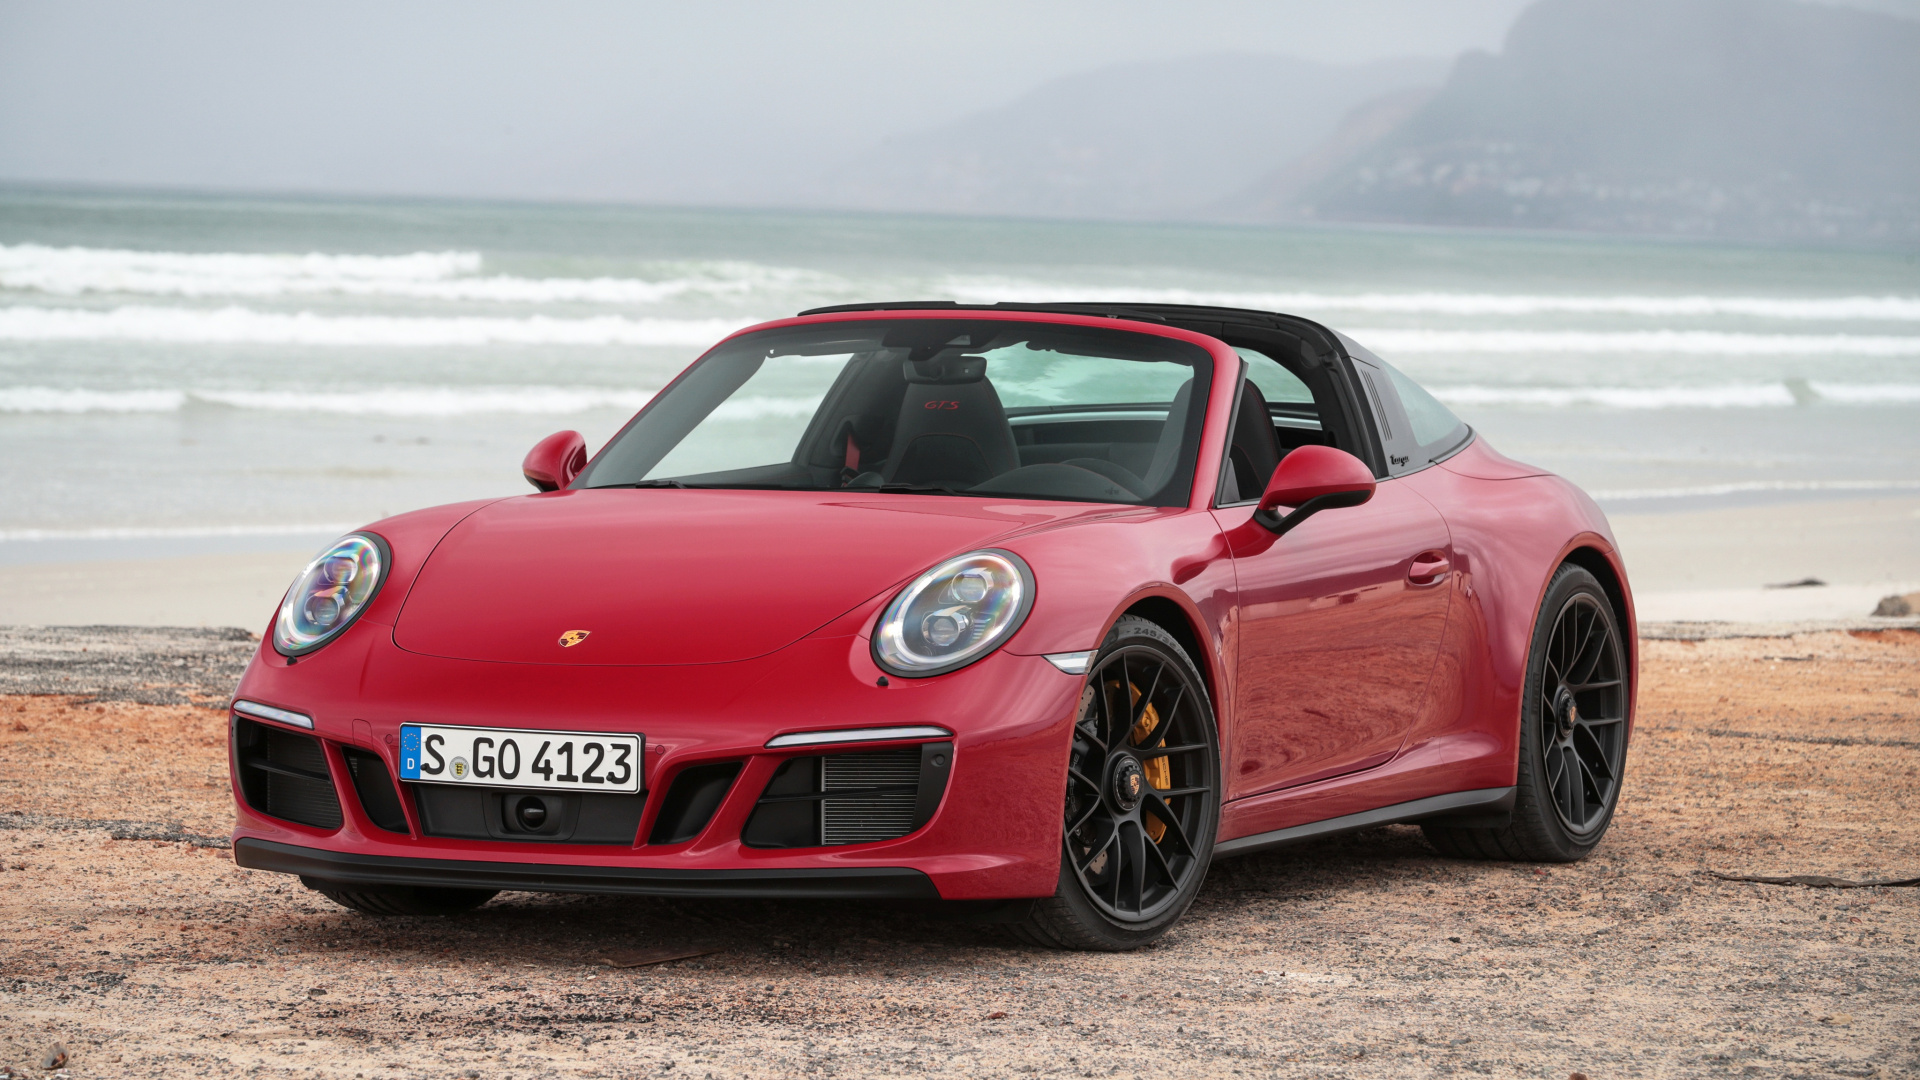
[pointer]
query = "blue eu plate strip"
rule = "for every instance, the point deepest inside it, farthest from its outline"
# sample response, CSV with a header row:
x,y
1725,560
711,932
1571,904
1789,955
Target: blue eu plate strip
x,y
409,752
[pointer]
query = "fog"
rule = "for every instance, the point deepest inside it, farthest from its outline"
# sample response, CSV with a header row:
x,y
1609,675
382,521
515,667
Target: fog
x,y
1262,110
715,102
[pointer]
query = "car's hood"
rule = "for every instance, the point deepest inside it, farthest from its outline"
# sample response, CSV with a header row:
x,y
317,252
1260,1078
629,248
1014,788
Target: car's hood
x,y
664,576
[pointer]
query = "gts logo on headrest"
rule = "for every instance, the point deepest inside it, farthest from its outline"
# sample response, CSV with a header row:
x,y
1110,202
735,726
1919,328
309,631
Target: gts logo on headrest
x,y
941,405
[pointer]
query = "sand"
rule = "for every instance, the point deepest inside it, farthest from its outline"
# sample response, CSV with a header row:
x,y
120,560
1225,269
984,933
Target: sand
x,y
1699,563
127,933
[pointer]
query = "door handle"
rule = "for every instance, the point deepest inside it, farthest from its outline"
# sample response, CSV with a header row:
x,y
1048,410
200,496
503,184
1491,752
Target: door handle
x,y
1429,567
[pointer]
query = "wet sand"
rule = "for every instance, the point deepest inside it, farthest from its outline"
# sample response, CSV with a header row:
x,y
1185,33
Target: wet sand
x,y
127,933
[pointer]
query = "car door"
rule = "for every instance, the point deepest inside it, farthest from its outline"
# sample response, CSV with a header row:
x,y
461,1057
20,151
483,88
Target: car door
x,y
1338,622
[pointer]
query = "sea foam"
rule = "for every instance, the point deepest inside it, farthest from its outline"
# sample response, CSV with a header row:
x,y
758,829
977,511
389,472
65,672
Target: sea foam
x,y
1884,308
235,325
374,401
426,275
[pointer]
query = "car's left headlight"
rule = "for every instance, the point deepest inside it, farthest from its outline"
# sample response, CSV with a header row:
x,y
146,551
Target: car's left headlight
x,y
330,593
954,614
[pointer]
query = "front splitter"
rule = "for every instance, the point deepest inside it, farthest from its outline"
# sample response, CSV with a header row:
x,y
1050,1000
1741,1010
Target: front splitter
x,y
852,883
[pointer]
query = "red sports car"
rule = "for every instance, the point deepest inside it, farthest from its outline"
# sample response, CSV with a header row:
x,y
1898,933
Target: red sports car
x,y
1042,605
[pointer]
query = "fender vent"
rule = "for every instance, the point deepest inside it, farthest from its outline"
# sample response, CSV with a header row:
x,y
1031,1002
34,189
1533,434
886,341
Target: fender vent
x,y
285,775
374,785
858,798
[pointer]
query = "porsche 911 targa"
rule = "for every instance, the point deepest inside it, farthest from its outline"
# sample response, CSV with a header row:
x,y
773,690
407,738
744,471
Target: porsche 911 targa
x,y
1042,607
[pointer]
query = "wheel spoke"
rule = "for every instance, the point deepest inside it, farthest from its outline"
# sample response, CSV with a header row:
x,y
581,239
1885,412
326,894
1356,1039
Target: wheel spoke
x,y
1160,860
1556,767
1576,789
1592,755
1584,664
1081,866
1076,774
1165,813
1134,843
1581,688
1169,751
1146,701
1074,827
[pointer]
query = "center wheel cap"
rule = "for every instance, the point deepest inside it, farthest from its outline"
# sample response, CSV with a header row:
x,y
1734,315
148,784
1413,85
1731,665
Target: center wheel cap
x,y
1129,782
1565,713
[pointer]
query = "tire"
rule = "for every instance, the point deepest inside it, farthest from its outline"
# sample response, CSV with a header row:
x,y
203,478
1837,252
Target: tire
x,y
1121,885
401,899
1573,734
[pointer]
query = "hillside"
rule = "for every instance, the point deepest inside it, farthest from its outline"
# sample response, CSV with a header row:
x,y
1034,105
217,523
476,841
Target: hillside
x,y
1717,117
1140,141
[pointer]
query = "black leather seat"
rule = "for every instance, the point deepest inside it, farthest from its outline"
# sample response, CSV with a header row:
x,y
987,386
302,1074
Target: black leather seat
x,y
953,430
1255,452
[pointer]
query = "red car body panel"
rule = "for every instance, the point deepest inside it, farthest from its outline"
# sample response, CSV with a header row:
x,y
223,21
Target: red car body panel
x,y
1373,656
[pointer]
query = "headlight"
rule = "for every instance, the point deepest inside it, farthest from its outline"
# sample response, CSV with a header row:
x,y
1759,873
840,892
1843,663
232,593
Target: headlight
x,y
954,614
330,593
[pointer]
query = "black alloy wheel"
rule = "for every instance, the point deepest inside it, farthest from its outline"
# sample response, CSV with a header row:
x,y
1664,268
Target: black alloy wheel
x,y
1573,734
1142,797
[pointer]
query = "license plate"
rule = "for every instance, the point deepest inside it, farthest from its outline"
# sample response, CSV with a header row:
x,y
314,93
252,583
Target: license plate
x,y
520,758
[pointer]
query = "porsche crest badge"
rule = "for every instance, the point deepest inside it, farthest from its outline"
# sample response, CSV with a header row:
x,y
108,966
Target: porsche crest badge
x,y
573,637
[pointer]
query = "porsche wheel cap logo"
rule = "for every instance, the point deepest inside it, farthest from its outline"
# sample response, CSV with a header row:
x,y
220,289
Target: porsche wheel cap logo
x,y
573,637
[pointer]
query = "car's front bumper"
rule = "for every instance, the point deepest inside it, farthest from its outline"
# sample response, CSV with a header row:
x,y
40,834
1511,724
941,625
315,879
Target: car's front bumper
x,y
995,834
799,883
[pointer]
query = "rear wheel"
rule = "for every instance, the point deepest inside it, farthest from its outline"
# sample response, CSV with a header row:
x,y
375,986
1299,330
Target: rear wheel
x,y
401,899
1142,798
1573,734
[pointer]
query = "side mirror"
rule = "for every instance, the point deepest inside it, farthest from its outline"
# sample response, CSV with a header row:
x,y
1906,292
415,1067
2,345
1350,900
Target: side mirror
x,y
555,460
1311,479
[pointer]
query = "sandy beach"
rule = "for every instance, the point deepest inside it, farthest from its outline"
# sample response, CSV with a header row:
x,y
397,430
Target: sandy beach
x,y
133,940
1699,564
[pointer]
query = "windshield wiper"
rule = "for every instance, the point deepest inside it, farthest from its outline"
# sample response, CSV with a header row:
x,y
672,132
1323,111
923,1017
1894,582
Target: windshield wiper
x,y
646,484
924,489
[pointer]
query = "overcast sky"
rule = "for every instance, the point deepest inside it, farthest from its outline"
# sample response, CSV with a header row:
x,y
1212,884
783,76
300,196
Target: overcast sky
x,y
713,101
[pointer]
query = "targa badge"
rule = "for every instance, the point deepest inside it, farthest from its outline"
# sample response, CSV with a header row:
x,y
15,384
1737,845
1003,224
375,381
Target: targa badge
x,y
573,637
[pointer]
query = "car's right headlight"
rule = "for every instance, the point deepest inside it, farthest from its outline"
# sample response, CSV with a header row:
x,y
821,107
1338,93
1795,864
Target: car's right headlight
x,y
953,614
330,593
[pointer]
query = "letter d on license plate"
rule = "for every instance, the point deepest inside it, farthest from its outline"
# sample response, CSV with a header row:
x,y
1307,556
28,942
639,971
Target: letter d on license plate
x,y
521,758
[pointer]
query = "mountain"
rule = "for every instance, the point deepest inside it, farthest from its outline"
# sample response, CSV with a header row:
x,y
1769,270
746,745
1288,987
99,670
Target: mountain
x,y
1136,141
1762,118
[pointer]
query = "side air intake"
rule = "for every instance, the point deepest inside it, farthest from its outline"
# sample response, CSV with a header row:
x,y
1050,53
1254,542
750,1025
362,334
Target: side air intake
x,y
856,798
284,775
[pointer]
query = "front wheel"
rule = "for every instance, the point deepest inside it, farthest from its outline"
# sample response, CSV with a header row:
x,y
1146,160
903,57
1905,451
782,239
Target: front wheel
x,y
1142,798
1573,734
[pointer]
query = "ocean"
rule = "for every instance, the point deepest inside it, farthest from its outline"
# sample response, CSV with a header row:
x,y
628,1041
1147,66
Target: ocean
x,y
199,373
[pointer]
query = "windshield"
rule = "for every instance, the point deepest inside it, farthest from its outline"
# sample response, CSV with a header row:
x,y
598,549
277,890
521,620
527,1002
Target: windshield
x,y
945,407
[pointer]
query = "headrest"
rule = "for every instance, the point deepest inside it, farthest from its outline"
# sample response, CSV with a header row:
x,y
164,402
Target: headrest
x,y
946,370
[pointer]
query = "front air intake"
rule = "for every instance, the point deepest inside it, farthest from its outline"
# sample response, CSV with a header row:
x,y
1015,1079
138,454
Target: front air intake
x,y
374,785
285,775
856,798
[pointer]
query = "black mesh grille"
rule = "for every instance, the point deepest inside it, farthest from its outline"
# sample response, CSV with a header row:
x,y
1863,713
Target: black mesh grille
x,y
888,783
284,774
374,785
856,798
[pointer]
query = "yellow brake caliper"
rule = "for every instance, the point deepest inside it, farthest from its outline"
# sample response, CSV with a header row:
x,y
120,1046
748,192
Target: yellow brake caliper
x,y
1157,770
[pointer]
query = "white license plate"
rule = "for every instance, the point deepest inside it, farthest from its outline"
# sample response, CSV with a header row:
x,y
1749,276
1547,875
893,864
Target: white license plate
x,y
520,758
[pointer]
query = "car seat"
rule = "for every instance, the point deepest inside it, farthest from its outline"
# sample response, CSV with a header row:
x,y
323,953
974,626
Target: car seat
x,y
952,430
1255,451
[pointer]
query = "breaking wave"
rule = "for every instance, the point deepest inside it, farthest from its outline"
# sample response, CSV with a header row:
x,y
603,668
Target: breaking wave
x,y
426,275
1887,308
233,325
377,401
1750,395
1664,342
1755,486
162,532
